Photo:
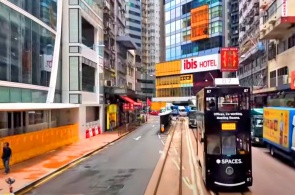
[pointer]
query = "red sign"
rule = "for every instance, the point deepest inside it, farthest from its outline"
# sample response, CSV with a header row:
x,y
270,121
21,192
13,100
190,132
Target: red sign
x,y
229,59
292,84
125,107
200,64
131,106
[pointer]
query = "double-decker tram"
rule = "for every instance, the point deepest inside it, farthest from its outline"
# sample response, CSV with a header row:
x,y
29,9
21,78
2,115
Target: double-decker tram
x,y
224,135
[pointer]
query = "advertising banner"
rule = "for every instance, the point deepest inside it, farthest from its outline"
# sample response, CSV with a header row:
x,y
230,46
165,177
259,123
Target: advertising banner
x,y
276,126
292,84
229,59
200,64
111,115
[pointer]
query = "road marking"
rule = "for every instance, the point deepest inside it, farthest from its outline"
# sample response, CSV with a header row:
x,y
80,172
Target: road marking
x,y
163,142
177,166
153,125
160,152
137,138
159,136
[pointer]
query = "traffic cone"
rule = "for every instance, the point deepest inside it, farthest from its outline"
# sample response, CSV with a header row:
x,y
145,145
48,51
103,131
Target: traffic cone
x,y
93,131
87,134
96,130
90,132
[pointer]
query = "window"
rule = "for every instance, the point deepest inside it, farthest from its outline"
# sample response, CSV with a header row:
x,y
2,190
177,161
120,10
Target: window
x,y
168,40
134,28
213,145
210,103
173,25
177,12
229,145
173,39
178,25
88,78
167,16
167,28
133,21
233,102
36,117
243,143
134,13
172,14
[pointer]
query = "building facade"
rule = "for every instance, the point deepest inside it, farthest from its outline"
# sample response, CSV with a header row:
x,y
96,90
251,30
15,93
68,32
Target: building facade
x,y
133,21
194,33
253,57
277,28
27,42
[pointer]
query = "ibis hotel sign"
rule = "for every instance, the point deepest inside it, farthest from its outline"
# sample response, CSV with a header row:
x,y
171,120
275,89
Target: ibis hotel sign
x,y
200,64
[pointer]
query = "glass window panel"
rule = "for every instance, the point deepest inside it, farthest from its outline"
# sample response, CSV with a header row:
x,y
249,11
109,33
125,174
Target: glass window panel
x,y
172,3
168,42
173,39
15,95
4,41
172,14
173,27
74,99
74,25
15,49
4,97
177,11
177,2
167,16
173,52
27,51
26,95
167,28
178,53
178,38
74,74
36,54
167,6
178,25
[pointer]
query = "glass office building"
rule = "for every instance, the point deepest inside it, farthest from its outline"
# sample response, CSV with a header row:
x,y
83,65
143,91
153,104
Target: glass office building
x,y
27,39
187,38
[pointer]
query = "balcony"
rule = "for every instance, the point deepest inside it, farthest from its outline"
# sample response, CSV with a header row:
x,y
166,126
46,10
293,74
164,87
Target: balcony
x,y
277,19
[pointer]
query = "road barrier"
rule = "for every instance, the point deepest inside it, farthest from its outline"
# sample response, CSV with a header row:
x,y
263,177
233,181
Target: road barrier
x,y
92,131
28,145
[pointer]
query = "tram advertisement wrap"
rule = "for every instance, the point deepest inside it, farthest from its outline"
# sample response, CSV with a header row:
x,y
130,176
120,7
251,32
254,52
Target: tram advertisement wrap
x,y
228,115
276,126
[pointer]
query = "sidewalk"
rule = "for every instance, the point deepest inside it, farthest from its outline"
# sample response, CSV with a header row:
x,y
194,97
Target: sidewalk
x,y
28,172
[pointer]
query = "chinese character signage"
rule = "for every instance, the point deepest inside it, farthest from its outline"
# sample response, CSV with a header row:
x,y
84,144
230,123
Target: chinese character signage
x,y
186,79
229,59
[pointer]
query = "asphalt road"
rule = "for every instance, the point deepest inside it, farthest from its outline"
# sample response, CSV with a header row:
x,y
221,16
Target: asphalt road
x,y
271,176
123,168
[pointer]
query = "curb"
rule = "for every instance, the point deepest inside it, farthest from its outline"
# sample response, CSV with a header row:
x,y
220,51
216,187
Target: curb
x,y
28,187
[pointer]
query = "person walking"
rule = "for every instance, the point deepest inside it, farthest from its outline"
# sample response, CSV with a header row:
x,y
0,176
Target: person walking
x,y
6,157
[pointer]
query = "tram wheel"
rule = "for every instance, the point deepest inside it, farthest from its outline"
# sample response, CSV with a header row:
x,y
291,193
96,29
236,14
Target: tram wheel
x,y
272,151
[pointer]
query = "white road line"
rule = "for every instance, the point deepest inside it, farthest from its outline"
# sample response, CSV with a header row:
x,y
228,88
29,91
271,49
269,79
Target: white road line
x,y
162,142
159,136
177,166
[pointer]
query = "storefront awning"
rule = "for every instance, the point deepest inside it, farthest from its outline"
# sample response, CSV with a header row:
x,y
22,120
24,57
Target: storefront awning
x,y
129,100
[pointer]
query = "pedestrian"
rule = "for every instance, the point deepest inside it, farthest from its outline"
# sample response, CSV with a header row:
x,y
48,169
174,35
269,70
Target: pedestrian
x,y
6,157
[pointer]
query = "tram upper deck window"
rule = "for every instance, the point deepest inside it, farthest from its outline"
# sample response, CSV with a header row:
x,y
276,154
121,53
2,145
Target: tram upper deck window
x,y
210,103
233,102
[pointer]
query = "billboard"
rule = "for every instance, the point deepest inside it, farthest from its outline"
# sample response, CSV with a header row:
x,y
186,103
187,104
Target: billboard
x,y
200,23
229,59
200,64
276,126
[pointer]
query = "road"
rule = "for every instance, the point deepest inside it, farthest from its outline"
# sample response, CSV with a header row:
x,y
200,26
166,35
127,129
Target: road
x,y
271,176
123,168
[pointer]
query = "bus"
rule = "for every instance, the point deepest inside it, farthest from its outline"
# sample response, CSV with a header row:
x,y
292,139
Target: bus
x,y
224,135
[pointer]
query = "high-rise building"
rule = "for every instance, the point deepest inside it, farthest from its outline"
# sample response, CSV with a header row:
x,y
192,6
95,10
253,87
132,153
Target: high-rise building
x,y
277,26
195,32
133,20
153,43
253,64
233,23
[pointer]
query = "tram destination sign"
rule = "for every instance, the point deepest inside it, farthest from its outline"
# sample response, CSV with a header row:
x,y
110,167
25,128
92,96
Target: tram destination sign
x,y
228,115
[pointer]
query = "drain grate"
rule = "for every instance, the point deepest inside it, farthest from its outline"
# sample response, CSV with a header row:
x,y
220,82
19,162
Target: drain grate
x,y
116,187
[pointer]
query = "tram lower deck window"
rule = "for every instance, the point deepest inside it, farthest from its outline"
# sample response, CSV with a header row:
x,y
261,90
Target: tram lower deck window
x,y
228,144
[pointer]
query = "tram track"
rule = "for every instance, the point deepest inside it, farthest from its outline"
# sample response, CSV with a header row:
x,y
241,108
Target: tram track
x,y
171,149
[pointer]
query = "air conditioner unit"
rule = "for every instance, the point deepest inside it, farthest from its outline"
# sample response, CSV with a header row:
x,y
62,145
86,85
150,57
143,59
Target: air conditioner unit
x,y
108,83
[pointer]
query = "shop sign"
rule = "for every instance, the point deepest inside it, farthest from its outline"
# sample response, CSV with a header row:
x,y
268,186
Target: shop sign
x,y
125,107
229,59
200,64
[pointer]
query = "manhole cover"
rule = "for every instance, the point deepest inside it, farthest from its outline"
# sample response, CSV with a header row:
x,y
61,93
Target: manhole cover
x,y
116,187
